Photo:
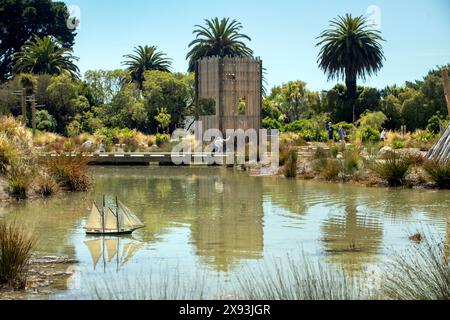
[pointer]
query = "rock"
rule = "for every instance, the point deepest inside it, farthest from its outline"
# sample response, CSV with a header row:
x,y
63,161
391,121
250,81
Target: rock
x,y
385,150
416,238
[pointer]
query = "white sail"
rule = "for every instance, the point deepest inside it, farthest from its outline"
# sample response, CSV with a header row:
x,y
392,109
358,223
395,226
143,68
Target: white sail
x,y
110,220
129,251
95,249
111,245
95,219
129,219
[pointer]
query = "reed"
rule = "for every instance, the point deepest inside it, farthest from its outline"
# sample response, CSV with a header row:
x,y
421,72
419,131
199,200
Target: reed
x,y
393,168
16,246
293,281
290,166
151,285
421,272
439,172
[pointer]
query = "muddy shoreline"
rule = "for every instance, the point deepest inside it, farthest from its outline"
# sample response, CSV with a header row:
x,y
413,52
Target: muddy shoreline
x,y
46,275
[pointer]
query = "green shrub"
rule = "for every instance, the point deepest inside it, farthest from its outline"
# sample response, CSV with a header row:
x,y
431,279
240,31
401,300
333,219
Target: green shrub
x,y
73,129
290,167
161,139
269,123
393,168
371,135
16,247
45,121
434,124
398,144
439,171
69,145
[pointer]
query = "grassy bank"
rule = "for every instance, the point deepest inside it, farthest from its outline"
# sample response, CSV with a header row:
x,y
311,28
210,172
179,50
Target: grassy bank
x,y
24,174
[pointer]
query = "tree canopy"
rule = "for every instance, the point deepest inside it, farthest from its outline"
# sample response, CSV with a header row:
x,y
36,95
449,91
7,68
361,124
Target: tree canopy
x,y
218,38
21,20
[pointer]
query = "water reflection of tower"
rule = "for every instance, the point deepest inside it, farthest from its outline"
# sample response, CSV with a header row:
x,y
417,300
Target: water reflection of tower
x,y
353,239
228,223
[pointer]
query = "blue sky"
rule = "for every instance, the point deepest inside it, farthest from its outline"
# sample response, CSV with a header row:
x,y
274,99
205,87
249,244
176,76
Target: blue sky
x,y
283,33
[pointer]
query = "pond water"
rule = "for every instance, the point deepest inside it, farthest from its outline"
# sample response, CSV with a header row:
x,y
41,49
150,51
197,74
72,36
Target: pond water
x,y
205,226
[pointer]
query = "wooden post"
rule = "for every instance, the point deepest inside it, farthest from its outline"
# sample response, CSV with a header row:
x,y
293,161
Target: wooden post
x,y
446,88
33,114
197,106
24,106
221,101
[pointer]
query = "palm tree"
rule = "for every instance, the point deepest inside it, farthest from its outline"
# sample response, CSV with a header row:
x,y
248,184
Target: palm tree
x,y
45,56
146,59
350,49
218,38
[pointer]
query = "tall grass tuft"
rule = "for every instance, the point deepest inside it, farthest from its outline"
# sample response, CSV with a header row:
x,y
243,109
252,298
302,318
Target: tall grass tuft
x,y
290,166
16,247
70,171
350,161
330,169
46,185
420,273
439,172
19,179
160,285
393,168
292,281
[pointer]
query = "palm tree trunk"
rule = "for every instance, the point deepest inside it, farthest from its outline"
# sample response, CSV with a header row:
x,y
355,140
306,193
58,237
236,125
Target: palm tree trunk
x,y
350,82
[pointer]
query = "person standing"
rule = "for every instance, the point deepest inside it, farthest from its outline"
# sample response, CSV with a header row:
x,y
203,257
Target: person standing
x,y
341,134
383,135
330,131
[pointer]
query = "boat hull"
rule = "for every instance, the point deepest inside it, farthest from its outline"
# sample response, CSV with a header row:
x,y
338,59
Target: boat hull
x,y
109,232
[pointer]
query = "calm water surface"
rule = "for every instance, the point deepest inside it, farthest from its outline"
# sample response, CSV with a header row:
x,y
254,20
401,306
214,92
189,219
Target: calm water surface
x,y
219,223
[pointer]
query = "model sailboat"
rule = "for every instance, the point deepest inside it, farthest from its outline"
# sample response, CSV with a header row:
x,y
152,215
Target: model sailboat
x,y
112,221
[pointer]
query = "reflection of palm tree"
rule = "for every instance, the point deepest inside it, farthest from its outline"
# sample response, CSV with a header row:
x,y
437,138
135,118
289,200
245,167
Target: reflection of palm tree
x,y
352,240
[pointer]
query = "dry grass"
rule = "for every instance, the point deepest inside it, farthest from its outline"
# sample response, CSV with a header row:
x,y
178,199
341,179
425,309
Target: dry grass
x,y
16,245
70,171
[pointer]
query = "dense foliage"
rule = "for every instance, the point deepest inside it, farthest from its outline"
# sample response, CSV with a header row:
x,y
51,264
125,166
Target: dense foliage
x,y
21,20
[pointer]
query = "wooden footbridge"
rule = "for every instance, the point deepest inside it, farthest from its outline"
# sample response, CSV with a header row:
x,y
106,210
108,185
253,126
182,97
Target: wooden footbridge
x,y
147,158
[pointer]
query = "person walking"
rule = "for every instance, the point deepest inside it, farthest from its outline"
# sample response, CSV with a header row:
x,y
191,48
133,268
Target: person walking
x,y
330,131
341,134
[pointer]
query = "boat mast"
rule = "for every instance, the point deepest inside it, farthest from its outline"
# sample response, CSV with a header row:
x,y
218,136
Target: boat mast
x,y
103,214
117,214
